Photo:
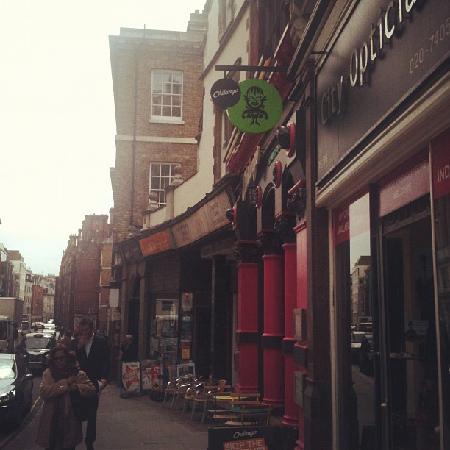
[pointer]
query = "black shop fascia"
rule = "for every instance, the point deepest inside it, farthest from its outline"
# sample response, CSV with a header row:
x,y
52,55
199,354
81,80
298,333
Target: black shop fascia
x,y
390,25
383,54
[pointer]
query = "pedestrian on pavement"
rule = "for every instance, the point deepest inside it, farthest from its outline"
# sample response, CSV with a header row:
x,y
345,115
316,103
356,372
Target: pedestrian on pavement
x,y
93,357
59,428
67,340
128,353
129,349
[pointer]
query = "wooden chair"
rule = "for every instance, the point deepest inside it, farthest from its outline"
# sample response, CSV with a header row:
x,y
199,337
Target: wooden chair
x,y
200,398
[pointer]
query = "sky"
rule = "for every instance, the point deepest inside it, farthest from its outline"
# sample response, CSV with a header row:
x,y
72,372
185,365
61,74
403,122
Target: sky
x,y
57,114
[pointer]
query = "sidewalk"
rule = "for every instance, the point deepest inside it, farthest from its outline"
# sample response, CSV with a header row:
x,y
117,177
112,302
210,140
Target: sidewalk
x,y
134,423
140,423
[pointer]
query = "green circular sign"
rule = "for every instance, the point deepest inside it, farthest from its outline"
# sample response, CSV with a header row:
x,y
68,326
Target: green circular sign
x,y
259,108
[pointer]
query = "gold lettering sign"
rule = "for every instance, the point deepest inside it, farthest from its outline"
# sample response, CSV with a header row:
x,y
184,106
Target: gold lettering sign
x,y
156,243
208,218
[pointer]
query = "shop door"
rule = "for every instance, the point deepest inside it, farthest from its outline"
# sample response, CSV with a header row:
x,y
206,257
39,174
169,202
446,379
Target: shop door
x,y
409,402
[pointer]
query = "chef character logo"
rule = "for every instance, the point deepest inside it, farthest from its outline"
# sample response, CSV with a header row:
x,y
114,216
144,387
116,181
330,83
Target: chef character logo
x,y
255,105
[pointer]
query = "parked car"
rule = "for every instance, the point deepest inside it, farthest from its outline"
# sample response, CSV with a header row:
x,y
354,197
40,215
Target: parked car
x,y
356,341
50,326
37,347
366,363
16,389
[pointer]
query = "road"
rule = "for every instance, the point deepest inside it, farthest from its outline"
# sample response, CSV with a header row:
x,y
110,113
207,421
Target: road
x,y
9,436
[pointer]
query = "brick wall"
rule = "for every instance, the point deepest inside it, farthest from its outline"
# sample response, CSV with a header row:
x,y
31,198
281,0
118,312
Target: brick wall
x,y
78,286
132,61
37,299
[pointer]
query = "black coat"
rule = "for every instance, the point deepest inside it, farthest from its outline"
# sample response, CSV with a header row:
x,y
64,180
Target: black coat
x,y
97,364
129,353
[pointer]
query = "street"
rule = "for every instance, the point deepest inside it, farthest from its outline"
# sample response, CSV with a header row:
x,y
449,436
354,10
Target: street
x,y
6,435
128,424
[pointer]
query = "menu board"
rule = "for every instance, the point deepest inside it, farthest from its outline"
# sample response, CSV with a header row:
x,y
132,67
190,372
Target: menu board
x,y
251,438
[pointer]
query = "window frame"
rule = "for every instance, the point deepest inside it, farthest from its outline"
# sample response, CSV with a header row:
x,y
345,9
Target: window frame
x,y
170,177
163,118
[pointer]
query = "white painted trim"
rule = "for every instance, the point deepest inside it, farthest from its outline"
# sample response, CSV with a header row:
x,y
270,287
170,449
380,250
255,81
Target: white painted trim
x,y
165,120
163,139
423,120
333,338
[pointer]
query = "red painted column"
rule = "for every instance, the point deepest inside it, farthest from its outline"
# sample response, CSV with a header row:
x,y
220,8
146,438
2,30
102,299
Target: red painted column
x,y
273,329
247,327
301,347
290,303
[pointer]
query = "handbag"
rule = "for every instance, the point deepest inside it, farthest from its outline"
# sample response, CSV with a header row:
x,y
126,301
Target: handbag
x,y
81,405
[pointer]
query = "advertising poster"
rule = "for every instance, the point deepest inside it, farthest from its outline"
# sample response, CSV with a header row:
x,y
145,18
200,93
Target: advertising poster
x,y
185,369
185,351
146,374
131,376
146,378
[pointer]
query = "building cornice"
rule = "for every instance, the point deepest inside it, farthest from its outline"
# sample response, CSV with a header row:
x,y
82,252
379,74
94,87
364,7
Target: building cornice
x,y
158,139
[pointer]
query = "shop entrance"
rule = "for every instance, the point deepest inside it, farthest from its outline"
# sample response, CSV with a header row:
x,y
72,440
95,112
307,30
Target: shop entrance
x,y
409,376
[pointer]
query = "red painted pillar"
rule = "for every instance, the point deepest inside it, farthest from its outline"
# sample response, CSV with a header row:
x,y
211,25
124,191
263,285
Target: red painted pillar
x,y
290,303
301,346
247,327
273,329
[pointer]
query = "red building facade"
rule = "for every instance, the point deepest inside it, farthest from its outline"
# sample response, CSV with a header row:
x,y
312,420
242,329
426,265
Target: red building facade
x,y
37,298
78,286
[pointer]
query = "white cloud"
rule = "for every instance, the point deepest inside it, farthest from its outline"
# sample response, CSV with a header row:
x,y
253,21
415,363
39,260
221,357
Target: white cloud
x,y
57,114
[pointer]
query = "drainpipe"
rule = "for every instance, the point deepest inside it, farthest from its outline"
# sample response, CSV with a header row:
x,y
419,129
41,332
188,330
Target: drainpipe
x,y
133,143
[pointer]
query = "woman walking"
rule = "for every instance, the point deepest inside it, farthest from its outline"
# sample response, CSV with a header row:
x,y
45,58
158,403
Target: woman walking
x,y
59,427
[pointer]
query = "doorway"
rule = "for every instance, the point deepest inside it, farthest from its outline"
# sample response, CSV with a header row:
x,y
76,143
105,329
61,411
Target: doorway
x,y
409,405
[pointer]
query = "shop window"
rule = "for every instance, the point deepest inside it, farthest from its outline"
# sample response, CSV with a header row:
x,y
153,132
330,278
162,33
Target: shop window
x,y
164,339
166,95
161,175
354,313
441,220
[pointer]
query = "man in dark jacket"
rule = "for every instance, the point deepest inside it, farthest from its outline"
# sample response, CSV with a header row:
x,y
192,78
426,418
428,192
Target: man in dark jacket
x,y
93,357
129,349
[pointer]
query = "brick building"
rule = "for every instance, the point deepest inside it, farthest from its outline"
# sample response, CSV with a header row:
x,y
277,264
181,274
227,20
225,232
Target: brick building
x,y
105,278
37,301
158,98
64,285
77,293
28,294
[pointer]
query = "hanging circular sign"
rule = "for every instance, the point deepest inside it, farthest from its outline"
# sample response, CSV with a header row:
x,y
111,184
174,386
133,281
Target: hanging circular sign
x,y
225,93
259,108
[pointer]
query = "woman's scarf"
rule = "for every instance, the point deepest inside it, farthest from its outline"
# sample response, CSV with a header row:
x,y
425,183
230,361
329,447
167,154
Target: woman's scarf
x,y
66,372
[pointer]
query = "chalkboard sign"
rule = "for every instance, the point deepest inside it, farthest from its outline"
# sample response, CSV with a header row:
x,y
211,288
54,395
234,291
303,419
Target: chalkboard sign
x,y
251,438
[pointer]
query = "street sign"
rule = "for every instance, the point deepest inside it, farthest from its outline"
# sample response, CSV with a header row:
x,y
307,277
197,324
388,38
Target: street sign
x,y
259,108
225,93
